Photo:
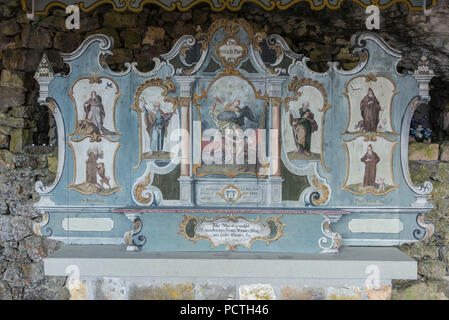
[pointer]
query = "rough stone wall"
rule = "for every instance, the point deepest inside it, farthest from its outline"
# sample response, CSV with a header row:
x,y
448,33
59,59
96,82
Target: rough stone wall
x,y
321,35
432,254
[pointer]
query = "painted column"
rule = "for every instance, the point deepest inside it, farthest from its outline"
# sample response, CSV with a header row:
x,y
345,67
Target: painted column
x,y
185,137
275,136
274,91
185,179
185,91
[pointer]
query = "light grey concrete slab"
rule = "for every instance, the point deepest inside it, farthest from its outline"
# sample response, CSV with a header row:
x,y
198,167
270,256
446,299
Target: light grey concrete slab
x,y
115,261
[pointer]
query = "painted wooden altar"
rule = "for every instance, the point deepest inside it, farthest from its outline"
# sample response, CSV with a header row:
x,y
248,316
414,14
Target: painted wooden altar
x,y
232,143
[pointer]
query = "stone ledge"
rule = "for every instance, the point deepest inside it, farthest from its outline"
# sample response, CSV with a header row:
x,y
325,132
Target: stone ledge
x,y
114,261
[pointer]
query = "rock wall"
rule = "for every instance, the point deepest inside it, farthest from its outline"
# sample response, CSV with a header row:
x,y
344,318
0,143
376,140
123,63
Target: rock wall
x,y
27,131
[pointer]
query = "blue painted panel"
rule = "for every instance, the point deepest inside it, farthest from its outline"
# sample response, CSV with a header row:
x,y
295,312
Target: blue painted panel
x,y
110,164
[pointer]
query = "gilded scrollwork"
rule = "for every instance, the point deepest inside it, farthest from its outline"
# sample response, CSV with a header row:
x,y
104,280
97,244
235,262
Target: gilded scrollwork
x,y
319,198
428,231
133,239
331,241
139,189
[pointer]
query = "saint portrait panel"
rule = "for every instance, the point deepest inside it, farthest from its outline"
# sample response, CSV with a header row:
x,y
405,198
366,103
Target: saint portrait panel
x,y
95,99
370,169
94,166
160,121
303,122
370,101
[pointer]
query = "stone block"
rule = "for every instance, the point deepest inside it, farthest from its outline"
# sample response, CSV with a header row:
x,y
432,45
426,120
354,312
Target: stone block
x,y
53,22
4,141
180,28
420,172
13,79
13,122
166,291
38,248
52,164
46,292
301,293
37,37
131,37
33,273
20,138
24,209
154,35
14,228
120,56
90,22
420,250
257,292
9,27
14,274
346,55
216,292
383,293
23,60
78,289
344,293
419,291
423,151
199,17
11,254
67,41
21,112
432,269
170,17
444,152
119,20
442,175
110,289
111,33
11,97
7,159
5,291
5,129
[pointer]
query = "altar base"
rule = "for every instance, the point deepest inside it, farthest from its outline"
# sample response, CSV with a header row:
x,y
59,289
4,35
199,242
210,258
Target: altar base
x,y
110,272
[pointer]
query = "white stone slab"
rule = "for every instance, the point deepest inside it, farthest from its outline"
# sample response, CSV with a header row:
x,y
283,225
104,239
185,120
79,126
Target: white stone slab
x,y
87,224
375,225
114,261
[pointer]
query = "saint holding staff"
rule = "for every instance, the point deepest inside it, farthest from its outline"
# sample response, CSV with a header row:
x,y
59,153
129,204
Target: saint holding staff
x,y
371,159
156,121
303,127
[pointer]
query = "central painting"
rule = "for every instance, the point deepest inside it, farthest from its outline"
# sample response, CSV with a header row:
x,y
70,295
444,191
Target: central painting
x,y
231,116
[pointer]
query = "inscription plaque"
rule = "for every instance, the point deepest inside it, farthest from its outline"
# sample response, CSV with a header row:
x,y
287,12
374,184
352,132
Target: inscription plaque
x,y
232,231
